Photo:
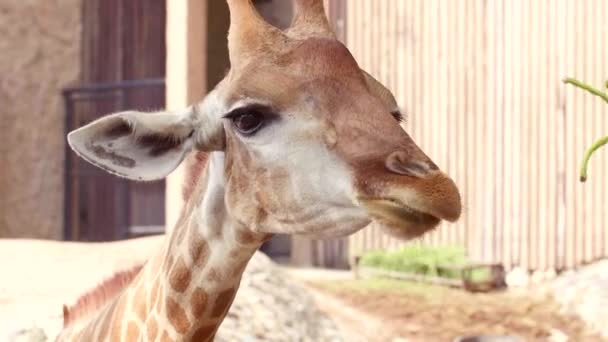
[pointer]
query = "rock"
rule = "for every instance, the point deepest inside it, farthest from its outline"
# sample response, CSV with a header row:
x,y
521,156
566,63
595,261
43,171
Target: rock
x,y
272,306
28,335
518,277
536,277
550,274
584,292
558,336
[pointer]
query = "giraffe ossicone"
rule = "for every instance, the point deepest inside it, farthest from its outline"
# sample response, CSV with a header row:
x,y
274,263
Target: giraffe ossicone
x,y
296,139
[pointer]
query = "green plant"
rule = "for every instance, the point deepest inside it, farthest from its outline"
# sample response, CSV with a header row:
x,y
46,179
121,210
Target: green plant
x,y
600,142
419,259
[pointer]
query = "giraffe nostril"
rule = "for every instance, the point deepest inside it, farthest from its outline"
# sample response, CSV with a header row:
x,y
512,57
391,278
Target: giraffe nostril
x,y
400,163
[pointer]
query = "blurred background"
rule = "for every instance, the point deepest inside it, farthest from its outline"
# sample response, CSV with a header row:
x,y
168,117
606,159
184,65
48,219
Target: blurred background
x,y
480,82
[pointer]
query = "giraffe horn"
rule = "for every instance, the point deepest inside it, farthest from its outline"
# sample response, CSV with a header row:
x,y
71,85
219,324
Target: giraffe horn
x,y
310,20
249,32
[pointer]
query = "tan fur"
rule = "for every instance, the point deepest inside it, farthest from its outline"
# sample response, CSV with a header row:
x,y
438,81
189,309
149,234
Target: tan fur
x,y
195,166
132,331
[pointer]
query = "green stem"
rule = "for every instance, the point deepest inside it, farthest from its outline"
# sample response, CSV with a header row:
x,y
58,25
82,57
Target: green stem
x,y
587,87
603,141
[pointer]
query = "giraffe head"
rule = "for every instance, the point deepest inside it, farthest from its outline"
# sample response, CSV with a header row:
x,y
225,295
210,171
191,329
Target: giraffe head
x,y
310,143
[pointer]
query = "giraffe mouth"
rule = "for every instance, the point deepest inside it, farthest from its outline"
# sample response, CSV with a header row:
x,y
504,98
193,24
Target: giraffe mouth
x,y
400,218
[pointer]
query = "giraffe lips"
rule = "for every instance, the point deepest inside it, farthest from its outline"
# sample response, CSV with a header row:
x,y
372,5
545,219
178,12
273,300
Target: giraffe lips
x,y
399,219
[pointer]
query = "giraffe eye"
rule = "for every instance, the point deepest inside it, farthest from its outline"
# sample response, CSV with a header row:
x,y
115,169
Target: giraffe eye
x,y
250,119
248,123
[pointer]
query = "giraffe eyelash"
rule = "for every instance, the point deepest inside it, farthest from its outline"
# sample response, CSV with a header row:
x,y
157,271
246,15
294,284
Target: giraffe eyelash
x,y
398,115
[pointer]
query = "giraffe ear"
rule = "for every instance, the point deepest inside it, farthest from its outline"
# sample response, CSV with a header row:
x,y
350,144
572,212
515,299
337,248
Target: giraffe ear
x,y
141,146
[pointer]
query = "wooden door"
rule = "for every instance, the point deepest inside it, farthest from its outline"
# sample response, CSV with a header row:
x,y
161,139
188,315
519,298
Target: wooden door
x,y
123,49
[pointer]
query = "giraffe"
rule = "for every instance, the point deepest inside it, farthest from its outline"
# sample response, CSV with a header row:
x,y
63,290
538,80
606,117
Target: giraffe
x,y
296,139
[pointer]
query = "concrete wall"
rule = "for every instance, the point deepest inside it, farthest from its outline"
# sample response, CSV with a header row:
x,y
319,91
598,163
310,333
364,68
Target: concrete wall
x,y
39,55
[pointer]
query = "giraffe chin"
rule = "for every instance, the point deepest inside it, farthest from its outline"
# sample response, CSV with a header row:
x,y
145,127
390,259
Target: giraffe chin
x,y
398,219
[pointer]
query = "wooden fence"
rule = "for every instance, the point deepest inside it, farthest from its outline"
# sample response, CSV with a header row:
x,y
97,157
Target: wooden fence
x,y
480,82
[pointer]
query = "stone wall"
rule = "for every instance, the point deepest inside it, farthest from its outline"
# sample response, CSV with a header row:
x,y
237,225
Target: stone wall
x,y
39,55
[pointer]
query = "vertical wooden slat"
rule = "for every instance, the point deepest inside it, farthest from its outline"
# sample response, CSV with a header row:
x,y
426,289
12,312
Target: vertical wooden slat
x,y
471,162
599,110
451,100
517,167
585,117
499,129
486,134
604,123
552,144
507,140
598,80
578,70
560,39
570,127
544,125
524,237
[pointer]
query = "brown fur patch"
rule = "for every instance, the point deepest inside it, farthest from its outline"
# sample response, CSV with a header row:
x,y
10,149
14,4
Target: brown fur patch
x,y
99,296
238,270
222,303
177,316
132,331
246,237
198,302
118,130
180,276
159,144
268,237
199,249
165,337
214,275
152,329
194,170
234,253
116,159
205,333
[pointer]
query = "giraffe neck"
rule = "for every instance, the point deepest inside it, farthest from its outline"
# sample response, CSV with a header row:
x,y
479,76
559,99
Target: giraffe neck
x,y
184,292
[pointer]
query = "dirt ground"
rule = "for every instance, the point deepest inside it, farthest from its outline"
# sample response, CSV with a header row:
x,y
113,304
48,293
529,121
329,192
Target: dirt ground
x,y
391,310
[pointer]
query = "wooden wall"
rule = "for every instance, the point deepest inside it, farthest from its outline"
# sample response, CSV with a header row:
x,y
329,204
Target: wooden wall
x,y
480,82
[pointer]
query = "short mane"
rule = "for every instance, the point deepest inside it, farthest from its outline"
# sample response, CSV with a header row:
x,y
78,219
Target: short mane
x,y
100,295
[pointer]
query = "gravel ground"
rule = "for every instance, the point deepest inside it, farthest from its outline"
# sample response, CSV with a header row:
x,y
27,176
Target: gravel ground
x,y
39,276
